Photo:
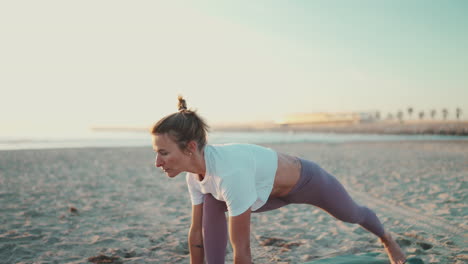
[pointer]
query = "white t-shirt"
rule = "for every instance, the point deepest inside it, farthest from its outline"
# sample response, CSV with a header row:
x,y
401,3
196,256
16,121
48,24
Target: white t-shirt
x,y
242,175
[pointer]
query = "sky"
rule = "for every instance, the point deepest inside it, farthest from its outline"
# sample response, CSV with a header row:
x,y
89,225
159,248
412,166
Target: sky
x,y
71,65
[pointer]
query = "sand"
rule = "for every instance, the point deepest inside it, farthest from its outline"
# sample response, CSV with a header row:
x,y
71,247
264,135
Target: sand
x,y
68,205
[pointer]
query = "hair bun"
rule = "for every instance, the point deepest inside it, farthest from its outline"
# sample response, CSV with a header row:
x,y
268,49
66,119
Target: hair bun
x,y
182,105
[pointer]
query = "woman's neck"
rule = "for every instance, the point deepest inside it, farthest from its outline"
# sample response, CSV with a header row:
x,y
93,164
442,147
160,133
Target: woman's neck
x,y
198,164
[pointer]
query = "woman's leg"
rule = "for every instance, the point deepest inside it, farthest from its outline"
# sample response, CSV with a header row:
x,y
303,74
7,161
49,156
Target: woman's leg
x,y
319,188
337,202
214,229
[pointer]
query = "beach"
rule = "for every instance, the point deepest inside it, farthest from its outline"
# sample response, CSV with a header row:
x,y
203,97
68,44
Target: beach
x,y
69,205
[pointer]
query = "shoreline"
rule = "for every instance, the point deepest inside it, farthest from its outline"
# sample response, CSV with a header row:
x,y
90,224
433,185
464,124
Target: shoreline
x,y
451,128
272,145
261,137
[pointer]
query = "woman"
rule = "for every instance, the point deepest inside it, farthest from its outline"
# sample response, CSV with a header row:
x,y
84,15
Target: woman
x,y
245,178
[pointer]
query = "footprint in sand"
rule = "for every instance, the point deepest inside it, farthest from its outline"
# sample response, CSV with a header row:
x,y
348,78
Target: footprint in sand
x,y
425,246
406,242
272,241
278,242
104,259
414,261
403,242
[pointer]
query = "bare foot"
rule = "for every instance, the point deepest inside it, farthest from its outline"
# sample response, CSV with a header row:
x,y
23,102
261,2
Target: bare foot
x,y
395,254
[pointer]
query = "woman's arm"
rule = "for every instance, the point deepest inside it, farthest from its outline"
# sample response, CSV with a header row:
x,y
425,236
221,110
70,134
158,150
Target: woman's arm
x,y
195,239
239,230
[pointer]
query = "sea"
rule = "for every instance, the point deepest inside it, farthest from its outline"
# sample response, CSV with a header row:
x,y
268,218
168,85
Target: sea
x,y
137,139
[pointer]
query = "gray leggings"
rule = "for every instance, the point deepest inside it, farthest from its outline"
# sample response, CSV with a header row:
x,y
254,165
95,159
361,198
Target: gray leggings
x,y
315,186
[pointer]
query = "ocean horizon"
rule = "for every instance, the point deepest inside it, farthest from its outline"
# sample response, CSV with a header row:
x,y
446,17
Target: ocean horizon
x,y
138,139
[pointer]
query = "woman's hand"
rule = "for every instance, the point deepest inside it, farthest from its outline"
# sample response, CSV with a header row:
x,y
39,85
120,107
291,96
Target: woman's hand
x,y
239,230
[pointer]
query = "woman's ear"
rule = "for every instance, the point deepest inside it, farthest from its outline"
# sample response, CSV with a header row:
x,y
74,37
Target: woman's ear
x,y
192,146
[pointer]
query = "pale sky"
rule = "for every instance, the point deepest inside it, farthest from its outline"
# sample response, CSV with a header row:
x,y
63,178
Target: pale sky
x,y
70,65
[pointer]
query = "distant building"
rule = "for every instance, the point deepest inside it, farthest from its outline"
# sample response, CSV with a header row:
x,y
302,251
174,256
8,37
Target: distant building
x,y
367,117
326,118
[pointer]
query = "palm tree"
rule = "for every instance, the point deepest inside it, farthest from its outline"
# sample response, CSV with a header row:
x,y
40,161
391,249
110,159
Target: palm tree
x,y
458,112
433,113
421,115
377,115
400,116
445,113
410,111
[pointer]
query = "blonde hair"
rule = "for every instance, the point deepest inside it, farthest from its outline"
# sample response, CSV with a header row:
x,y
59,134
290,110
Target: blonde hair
x,y
183,126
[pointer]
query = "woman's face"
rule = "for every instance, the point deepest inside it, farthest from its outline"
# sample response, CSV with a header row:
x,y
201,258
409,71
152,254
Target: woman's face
x,y
169,157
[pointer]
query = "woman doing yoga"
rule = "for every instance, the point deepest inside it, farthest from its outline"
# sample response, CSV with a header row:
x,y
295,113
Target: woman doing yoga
x,y
242,179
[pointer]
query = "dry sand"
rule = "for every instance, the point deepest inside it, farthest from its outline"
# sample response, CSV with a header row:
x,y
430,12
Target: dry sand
x,y
66,205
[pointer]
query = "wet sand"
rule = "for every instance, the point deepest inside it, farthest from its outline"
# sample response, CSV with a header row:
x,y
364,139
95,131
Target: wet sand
x,y
67,205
